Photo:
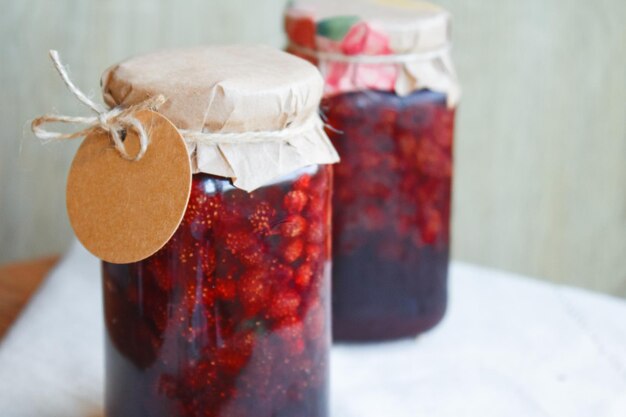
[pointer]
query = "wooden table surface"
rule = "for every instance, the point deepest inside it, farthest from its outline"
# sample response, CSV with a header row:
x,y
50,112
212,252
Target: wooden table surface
x,y
18,281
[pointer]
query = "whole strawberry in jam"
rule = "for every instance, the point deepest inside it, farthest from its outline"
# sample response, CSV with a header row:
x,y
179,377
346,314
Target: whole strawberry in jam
x,y
230,318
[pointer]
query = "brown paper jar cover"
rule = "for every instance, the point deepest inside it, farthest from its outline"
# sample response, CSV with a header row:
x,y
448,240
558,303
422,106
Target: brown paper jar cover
x,y
228,89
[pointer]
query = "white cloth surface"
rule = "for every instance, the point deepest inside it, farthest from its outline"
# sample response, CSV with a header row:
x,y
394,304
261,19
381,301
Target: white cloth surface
x,y
509,346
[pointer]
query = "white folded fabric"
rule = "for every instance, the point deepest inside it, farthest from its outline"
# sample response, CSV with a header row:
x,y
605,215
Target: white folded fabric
x,y
51,360
509,346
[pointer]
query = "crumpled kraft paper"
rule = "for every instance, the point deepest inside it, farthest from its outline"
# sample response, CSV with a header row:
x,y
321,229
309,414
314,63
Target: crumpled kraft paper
x,y
232,89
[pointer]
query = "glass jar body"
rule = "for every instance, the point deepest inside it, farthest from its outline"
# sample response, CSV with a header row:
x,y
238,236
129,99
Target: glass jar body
x,y
231,317
391,212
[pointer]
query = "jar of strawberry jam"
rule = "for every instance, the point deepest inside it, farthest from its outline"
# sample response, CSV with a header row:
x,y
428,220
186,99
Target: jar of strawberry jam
x,y
390,99
231,316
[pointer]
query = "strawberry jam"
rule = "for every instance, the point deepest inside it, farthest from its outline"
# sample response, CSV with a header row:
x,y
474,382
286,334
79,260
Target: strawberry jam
x,y
391,212
231,317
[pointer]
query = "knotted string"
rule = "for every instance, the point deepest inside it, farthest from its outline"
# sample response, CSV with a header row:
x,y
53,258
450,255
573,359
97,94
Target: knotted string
x,y
113,121
119,119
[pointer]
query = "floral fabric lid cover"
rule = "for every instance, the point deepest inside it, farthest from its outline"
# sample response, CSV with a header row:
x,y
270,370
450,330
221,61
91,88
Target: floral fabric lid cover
x,y
389,45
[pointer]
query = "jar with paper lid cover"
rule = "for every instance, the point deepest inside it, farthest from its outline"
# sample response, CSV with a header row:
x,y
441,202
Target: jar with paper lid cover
x,y
231,316
390,99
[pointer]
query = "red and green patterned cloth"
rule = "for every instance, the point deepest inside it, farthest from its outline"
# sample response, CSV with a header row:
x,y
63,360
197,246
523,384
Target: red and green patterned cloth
x,y
346,35
374,28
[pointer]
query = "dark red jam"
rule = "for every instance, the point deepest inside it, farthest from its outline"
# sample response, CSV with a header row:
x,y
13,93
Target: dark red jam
x,y
232,317
391,212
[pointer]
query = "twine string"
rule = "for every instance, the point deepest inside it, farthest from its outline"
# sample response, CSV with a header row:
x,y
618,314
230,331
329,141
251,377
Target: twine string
x,y
268,136
113,121
56,60
120,119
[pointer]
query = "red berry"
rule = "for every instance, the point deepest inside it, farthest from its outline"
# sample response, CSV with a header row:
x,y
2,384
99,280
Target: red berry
x,y
294,225
432,226
244,341
316,232
239,240
190,298
313,252
303,182
281,274
317,206
202,210
208,296
253,256
159,271
303,275
290,328
201,375
226,288
295,201
432,161
208,262
254,290
293,250
262,217
407,144
187,255
284,304
443,129
231,361
236,352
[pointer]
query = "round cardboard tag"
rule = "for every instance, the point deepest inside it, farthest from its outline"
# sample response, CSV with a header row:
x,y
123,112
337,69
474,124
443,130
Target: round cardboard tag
x,y
124,211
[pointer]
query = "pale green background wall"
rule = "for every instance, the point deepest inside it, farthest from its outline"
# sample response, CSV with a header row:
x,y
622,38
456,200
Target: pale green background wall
x,y
541,140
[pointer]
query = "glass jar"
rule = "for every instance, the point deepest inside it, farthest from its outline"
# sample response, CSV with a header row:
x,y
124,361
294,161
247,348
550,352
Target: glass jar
x,y
232,316
390,114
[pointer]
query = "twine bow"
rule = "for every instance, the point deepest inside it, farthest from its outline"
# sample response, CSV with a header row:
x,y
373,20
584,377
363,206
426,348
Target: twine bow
x,y
113,121
120,119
